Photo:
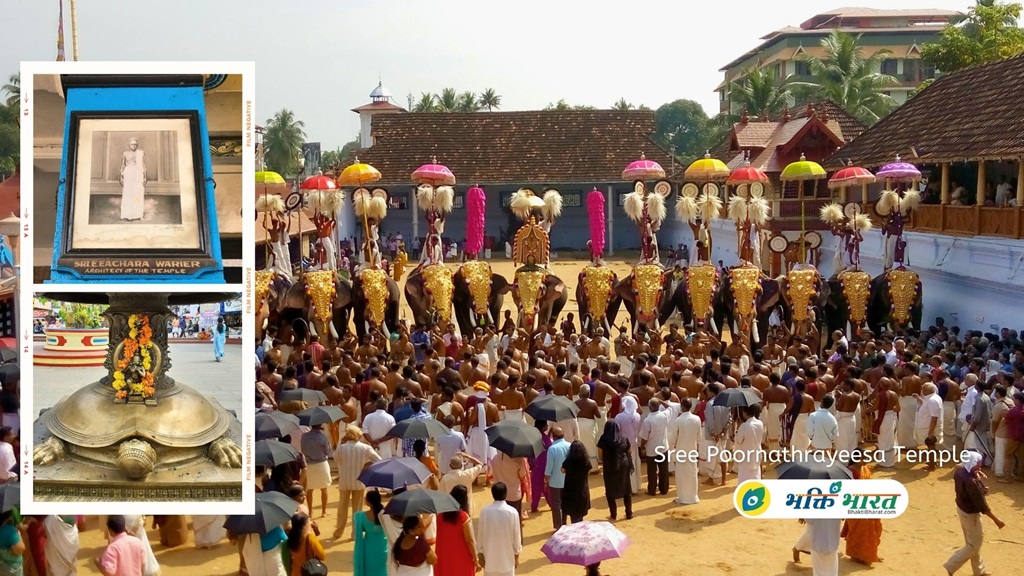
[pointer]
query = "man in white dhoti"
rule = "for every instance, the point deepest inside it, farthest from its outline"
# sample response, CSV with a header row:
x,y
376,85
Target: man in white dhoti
x,y
928,421
571,428
775,398
886,406
209,530
351,457
376,426
905,424
586,421
258,562
683,435
847,403
750,439
821,541
482,414
136,526
500,536
61,545
717,421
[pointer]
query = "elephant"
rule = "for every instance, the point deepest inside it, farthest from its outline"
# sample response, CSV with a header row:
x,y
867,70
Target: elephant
x,y
375,300
429,291
701,286
299,311
737,298
597,299
539,296
847,307
803,291
271,289
896,301
471,280
647,283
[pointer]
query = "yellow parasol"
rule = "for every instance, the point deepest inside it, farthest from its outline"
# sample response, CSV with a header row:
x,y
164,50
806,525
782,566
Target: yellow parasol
x,y
269,178
358,174
801,171
707,169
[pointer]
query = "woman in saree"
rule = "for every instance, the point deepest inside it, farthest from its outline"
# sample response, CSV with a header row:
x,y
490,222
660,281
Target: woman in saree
x,y
863,535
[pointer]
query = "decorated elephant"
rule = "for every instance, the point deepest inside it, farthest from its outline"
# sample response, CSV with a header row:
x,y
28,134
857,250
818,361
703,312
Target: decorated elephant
x,y
896,301
539,296
321,300
429,291
702,285
479,295
375,302
647,295
597,298
745,302
848,301
805,297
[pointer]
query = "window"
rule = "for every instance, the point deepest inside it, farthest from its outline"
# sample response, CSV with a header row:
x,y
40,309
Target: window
x,y
889,66
506,199
912,71
802,69
398,201
572,199
780,70
927,72
459,202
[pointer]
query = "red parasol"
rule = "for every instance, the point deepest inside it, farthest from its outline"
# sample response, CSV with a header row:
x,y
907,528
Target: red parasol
x,y
643,169
434,174
746,174
851,176
319,182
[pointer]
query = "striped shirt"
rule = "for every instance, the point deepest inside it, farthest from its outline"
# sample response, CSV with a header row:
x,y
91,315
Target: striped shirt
x,y
352,458
315,446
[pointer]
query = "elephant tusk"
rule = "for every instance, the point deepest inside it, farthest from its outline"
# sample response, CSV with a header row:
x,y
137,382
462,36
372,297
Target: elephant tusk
x,y
490,317
714,326
333,330
755,336
586,323
607,326
849,330
472,316
266,321
312,329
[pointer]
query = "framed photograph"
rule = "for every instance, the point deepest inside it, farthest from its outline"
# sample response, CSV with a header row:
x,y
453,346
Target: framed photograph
x,y
133,184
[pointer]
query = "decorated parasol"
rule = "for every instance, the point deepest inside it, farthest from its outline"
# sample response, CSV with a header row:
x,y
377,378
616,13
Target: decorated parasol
x,y
269,202
707,169
319,182
747,174
851,176
801,171
899,171
643,169
358,174
269,178
433,174
323,199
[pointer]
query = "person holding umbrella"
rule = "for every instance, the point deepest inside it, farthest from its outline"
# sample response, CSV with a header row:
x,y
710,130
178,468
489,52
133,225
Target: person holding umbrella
x,y
315,449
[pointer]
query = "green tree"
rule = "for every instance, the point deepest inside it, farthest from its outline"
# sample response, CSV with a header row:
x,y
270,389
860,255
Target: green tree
x,y
490,99
283,142
987,33
426,103
10,139
348,149
75,315
563,105
921,87
447,100
467,103
848,78
684,125
761,92
622,104
13,89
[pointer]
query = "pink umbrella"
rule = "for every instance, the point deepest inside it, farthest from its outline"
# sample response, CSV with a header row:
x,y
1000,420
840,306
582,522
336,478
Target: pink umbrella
x,y
643,169
434,174
585,543
851,176
899,170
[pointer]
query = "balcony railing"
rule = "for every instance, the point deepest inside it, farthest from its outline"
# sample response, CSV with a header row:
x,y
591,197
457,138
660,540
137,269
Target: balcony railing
x,y
963,220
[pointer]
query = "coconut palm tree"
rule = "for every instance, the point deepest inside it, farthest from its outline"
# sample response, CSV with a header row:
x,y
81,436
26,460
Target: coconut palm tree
x,y
426,103
622,105
489,99
447,101
761,92
970,26
467,103
848,78
13,89
283,142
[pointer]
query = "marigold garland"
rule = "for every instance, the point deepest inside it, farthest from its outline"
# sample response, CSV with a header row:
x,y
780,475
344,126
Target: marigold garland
x,y
136,357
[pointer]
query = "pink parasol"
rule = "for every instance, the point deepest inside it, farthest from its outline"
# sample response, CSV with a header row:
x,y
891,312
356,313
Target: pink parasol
x,y
851,176
643,169
476,204
319,182
434,174
899,170
585,543
595,206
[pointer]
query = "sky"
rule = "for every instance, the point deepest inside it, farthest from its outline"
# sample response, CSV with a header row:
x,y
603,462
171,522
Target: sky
x,y
321,58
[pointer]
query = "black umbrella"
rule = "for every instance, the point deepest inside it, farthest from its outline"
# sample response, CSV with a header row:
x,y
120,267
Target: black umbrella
x,y
422,428
320,415
275,425
272,510
10,371
312,397
274,453
552,408
10,496
813,469
737,397
394,473
515,438
412,502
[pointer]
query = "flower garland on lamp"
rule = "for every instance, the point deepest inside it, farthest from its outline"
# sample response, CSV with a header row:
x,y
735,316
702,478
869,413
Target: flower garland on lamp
x,y
136,358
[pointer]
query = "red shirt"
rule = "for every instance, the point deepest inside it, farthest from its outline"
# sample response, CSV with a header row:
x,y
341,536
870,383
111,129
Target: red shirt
x,y
1014,419
615,406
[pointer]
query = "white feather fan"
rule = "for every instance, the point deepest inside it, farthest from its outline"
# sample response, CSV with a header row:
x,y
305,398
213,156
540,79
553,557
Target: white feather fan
x,y
832,214
379,204
710,207
552,204
862,223
686,209
270,203
444,198
656,209
633,204
325,202
910,201
738,209
425,197
523,202
758,210
361,201
888,201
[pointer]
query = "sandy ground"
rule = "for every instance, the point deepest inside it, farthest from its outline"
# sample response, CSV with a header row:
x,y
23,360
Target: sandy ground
x,y
704,539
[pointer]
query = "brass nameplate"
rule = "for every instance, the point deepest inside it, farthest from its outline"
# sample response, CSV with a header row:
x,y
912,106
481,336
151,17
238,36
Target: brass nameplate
x,y
136,266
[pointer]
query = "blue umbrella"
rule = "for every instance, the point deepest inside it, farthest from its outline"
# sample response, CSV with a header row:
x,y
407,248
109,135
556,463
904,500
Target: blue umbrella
x,y
394,473
272,510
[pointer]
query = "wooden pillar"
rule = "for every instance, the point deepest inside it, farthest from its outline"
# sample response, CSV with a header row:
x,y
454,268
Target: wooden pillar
x,y
863,193
842,195
1020,183
610,248
979,195
945,184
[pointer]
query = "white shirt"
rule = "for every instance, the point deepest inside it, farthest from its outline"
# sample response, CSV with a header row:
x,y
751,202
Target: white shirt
x,y
967,407
464,477
7,460
1002,194
447,446
749,438
684,432
499,538
654,431
376,425
891,357
822,428
931,407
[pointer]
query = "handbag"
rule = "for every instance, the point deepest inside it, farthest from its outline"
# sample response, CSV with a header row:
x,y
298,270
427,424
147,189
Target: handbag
x,y
314,567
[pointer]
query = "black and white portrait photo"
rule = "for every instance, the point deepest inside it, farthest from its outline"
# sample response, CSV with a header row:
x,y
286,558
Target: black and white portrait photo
x,y
134,184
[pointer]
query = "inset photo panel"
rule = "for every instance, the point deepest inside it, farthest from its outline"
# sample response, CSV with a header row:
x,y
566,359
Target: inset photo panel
x,y
137,175
137,397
